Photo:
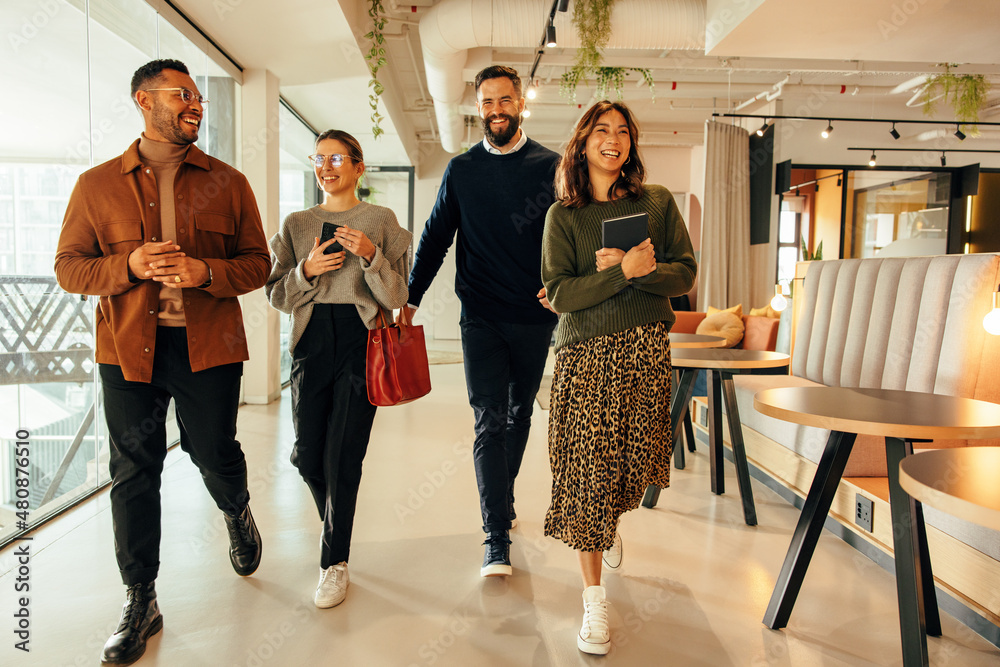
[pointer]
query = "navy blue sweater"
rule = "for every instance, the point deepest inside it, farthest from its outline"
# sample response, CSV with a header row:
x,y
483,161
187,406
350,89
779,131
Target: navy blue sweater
x,y
497,205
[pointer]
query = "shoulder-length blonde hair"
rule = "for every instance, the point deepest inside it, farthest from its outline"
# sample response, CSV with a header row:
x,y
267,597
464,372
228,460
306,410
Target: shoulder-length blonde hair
x,y
573,174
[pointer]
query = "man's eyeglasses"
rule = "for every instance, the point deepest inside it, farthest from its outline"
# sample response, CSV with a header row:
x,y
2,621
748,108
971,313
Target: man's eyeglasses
x,y
336,159
188,96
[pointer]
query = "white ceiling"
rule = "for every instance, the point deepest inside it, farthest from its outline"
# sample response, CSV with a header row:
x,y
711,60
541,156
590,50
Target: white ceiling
x,y
851,53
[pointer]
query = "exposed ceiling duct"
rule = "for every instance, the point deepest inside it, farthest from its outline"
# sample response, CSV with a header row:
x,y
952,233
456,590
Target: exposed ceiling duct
x,y
452,27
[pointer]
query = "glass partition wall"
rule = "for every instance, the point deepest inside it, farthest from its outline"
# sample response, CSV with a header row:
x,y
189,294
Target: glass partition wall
x,y
297,190
70,75
898,213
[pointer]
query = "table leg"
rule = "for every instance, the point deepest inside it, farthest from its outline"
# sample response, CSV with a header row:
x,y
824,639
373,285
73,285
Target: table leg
x,y
689,429
679,461
739,451
680,405
717,473
912,560
679,402
810,526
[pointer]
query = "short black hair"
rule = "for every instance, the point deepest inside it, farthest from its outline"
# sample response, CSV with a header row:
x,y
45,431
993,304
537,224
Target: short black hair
x,y
498,72
152,70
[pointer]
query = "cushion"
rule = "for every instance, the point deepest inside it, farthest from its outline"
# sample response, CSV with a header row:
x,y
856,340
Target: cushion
x,y
766,311
737,309
687,321
725,324
761,333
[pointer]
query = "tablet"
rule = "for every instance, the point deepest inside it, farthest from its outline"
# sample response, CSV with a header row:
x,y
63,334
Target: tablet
x,y
625,232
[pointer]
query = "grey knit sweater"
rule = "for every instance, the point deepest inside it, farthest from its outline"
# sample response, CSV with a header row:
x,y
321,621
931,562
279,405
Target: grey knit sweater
x,y
383,282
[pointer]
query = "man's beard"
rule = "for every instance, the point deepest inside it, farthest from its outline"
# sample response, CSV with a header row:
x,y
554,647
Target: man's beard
x,y
503,137
168,124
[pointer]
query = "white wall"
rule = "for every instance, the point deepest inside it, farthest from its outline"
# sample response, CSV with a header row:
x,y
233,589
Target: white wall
x,y
440,308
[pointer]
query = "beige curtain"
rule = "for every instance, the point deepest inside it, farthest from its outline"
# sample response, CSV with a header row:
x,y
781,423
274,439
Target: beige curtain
x,y
724,274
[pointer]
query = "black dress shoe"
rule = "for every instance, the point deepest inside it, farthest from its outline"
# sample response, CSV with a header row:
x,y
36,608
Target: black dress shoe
x,y
141,619
244,543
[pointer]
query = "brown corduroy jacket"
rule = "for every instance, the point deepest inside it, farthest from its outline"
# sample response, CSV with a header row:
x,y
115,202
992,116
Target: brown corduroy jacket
x,y
115,208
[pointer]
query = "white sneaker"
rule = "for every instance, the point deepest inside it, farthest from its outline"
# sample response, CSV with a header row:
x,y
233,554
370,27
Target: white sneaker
x,y
595,635
613,557
332,587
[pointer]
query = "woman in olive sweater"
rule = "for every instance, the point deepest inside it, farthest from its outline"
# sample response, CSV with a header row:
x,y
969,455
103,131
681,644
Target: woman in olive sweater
x,y
609,425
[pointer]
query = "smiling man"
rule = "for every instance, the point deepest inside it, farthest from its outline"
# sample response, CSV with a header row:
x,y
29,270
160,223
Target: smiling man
x,y
494,197
168,237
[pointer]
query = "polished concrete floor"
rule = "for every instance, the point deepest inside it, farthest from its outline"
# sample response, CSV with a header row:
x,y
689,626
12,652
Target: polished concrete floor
x,y
692,590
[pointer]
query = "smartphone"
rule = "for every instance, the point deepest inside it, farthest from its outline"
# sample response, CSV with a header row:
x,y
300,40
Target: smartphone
x,y
328,230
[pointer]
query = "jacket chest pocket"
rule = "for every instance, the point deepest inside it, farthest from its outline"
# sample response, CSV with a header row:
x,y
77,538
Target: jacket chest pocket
x,y
120,236
216,233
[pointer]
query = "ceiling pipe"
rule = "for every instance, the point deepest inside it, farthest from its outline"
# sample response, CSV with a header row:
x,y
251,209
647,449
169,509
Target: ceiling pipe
x,y
452,27
769,95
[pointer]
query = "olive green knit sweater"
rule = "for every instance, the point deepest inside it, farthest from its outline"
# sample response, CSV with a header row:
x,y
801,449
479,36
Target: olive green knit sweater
x,y
594,303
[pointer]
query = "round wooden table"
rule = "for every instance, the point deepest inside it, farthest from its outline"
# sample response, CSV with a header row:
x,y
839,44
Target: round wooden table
x,y
902,417
960,481
721,365
690,340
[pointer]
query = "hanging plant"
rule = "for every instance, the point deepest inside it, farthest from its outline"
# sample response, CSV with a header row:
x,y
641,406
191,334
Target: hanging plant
x,y
592,19
965,92
376,61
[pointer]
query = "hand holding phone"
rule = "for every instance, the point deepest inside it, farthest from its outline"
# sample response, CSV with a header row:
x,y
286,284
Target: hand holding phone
x,y
329,229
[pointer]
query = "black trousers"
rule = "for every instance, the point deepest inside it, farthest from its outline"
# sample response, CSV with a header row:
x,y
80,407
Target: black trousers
x,y
333,420
504,363
205,404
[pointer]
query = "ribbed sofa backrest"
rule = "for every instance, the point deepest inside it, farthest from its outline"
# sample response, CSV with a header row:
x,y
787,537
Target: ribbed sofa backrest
x,y
910,323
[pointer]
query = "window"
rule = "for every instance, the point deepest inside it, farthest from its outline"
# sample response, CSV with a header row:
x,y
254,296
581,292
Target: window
x,y
71,74
297,191
789,238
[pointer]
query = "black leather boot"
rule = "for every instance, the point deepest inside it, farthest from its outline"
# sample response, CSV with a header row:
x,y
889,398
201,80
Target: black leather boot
x,y
244,543
141,619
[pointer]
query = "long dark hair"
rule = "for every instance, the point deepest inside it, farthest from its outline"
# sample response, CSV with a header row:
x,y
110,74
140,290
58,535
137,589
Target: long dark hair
x,y
573,175
353,147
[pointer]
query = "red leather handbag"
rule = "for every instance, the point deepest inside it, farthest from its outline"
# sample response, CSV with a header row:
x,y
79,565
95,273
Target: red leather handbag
x,y
396,364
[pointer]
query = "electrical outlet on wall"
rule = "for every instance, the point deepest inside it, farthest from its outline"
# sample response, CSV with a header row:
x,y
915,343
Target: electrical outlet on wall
x,y
864,512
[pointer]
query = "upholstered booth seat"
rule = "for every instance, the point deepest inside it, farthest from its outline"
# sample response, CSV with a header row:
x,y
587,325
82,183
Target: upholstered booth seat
x,y
911,323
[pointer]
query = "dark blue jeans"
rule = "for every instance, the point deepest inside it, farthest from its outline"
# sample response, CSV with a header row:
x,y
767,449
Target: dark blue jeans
x,y
504,363
205,404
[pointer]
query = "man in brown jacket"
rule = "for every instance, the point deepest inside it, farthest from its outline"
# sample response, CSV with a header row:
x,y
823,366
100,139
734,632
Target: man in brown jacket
x,y
168,237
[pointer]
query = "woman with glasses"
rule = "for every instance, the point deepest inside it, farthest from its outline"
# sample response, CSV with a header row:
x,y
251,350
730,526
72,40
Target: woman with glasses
x,y
609,424
334,266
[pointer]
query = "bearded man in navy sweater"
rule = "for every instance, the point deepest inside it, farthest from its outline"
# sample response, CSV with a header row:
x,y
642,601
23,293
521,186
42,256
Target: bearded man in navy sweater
x,y
495,197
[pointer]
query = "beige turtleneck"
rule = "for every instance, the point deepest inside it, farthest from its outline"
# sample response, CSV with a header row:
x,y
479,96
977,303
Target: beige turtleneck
x,y
165,160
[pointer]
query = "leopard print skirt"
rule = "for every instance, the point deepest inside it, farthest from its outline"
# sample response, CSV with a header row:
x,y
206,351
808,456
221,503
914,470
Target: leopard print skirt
x,y
609,432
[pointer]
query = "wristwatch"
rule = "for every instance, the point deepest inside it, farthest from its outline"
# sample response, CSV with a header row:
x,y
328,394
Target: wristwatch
x,y
208,282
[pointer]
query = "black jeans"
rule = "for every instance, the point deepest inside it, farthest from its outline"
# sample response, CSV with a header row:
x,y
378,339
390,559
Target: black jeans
x,y
504,363
205,404
333,419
